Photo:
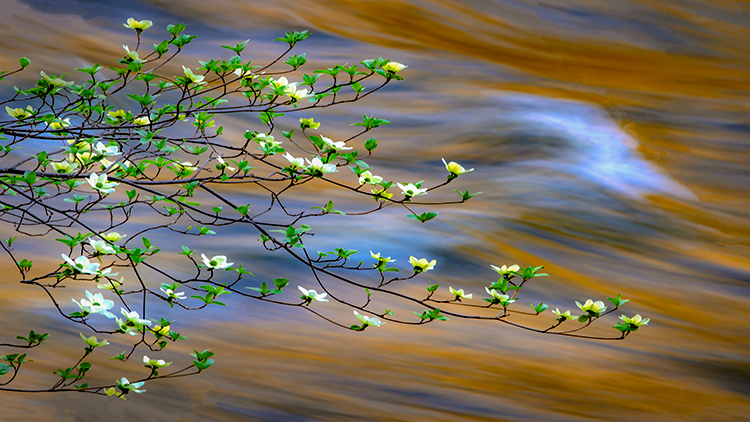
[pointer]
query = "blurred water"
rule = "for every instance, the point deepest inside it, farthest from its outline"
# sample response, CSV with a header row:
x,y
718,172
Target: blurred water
x,y
611,141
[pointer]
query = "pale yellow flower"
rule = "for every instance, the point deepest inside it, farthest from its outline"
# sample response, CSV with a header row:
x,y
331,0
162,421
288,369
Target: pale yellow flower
x,y
64,166
368,177
198,79
114,236
636,320
562,316
454,168
367,321
459,294
422,264
55,82
394,67
506,270
20,113
60,124
592,307
139,26
308,123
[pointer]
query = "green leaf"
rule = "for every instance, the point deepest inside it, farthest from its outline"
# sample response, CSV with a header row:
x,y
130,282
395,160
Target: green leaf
x,y
465,196
182,40
121,357
175,29
186,251
424,217
618,301
623,327
539,308
244,209
371,144
280,282
293,37
161,48
237,48
296,61
370,122
358,87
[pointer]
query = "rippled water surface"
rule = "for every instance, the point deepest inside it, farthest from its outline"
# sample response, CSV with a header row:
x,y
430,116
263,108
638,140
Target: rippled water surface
x,y
611,141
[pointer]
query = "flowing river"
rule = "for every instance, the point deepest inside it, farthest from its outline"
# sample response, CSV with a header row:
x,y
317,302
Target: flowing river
x,y
611,140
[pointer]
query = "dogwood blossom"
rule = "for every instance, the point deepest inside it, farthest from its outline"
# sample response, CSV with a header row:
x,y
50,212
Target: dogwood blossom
x,y
93,342
110,284
133,55
222,165
308,123
394,67
422,264
118,114
336,146
637,320
381,258
107,150
506,270
114,236
126,386
381,194
262,137
186,167
99,182
81,157
132,324
245,74
459,294
367,321
562,316
454,168
198,79
20,113
102,247
502,299
291,91
55,82
60,124
155,363
294,163
593,308
281,82
217,262
161,331
409,190
107,272
142,121
269,143
172,295
368,177
64,166
310,295
317,168
82,265
95,304
139,26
